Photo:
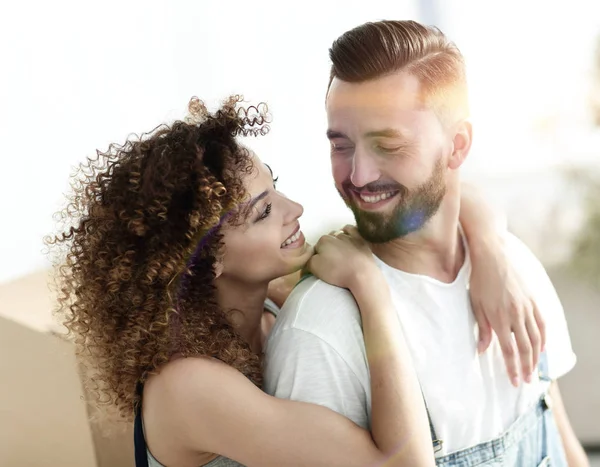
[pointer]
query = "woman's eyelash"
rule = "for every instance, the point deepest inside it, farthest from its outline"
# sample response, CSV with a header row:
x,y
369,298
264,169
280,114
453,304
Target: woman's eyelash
x,y
266,212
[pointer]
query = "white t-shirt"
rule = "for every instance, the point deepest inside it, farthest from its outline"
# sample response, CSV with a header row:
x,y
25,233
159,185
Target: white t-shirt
x,y
316,351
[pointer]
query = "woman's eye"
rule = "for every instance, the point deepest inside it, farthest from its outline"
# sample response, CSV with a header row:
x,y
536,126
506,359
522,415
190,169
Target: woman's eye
x,y
266,212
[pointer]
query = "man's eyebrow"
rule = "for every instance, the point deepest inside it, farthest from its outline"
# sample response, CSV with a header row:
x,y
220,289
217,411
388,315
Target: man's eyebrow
x,y
332,134
385,133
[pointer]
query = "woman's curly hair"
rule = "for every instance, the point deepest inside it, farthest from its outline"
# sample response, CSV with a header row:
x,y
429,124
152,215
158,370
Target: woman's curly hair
x,y
136,257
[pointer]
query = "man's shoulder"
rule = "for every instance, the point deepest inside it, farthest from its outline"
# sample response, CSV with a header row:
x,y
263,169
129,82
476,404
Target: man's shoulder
x,y
319,325
318,307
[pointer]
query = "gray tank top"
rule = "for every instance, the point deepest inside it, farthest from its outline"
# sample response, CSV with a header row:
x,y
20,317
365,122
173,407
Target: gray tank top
x,y
220,461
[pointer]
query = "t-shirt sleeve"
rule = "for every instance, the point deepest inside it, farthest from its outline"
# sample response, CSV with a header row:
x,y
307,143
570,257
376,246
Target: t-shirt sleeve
x,y
559,351
303,367
315,352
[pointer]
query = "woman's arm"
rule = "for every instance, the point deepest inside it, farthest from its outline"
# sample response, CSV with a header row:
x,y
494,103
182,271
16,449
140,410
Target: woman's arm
x,y
399,422
224,413
499,297
479,214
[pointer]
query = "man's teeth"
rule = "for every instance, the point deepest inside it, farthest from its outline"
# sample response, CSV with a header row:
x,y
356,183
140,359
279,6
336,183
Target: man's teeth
x,y
376,198
292,239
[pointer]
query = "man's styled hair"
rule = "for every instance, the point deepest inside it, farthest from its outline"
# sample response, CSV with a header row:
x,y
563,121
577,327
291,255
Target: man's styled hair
x,y
374,50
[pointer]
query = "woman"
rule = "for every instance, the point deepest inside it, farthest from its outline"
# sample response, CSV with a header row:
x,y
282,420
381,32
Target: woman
x,y
174,242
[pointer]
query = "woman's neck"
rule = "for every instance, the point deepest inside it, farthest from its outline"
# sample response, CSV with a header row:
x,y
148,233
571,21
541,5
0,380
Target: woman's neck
x,y
244,305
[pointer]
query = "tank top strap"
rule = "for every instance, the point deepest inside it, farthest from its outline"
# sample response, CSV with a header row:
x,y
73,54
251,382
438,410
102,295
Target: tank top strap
x,y
271,307
139,441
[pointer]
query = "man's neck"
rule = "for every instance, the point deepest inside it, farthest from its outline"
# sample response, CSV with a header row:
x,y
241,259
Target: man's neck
x,y
244,305
436,250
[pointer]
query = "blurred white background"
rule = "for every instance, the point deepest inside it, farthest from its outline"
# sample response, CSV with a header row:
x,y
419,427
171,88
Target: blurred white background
x,y
77,76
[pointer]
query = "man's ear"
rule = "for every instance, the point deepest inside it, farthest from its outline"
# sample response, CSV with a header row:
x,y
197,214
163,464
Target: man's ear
x,y
463,138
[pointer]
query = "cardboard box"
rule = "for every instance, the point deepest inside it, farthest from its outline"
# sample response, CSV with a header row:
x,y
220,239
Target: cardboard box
x,y
580,388
44,418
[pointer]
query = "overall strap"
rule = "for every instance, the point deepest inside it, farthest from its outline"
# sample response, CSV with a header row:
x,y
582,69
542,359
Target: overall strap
x,y
544,376
437,443
271,307
543,372
139,442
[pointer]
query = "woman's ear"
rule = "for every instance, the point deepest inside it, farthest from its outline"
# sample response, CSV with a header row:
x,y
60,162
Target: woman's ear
x,y
218,268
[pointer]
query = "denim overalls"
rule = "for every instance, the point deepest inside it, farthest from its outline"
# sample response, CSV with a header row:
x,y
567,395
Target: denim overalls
x,y
531,441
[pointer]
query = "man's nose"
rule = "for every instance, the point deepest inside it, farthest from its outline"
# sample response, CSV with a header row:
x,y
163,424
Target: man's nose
x,y
364,170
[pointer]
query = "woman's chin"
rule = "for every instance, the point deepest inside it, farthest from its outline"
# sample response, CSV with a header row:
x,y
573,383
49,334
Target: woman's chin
x,y
299,261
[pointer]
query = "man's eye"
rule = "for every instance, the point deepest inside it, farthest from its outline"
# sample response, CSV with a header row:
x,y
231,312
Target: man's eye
x,y
339,148
388,149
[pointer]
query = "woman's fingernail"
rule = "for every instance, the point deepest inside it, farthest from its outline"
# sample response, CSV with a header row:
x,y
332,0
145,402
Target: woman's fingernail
x,y
515,381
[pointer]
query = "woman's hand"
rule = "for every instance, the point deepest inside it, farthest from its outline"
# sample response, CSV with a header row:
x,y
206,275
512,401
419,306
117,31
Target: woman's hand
x,y
343,259
502,303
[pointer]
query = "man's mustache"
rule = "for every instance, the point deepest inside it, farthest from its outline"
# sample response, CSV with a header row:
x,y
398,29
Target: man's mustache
x,y
374,187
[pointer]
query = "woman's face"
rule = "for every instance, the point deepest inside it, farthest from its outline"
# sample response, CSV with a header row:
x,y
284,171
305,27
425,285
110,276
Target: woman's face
x,y
269,244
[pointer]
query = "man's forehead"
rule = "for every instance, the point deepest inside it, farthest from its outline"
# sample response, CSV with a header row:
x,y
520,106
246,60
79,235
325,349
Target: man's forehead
x,y
370,120
398,90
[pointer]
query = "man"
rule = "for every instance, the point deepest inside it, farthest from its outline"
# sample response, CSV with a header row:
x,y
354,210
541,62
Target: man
x,y
397,112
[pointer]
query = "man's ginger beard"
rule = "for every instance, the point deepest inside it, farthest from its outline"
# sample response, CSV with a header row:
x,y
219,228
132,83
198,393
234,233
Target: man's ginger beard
x,y
414,207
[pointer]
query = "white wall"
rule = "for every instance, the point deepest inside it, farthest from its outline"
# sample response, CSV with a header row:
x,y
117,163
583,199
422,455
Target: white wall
x,y
529,65
78,75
